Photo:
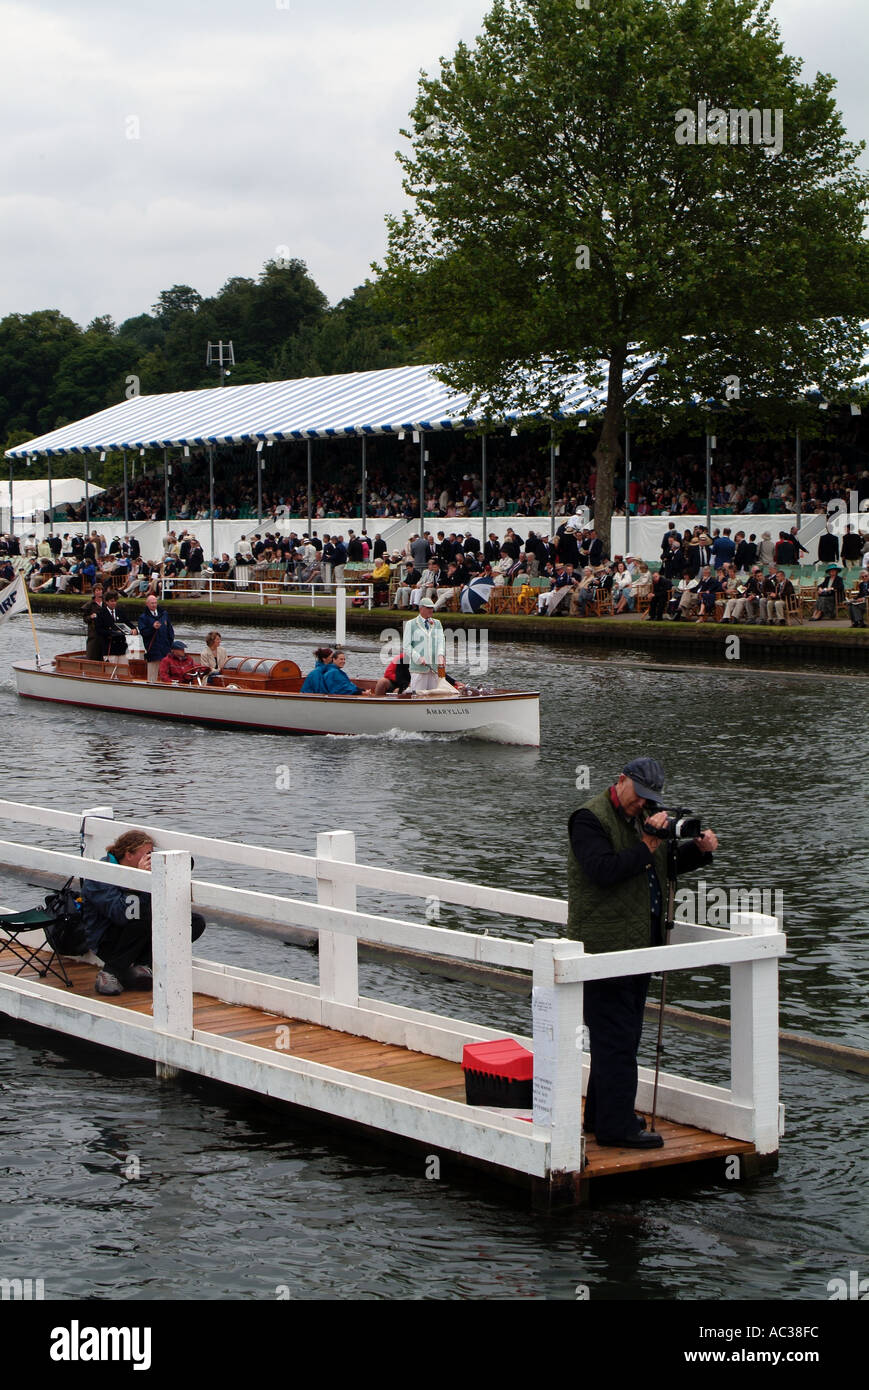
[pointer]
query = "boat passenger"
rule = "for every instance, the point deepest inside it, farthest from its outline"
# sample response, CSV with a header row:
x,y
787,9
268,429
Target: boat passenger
x,y
100,624
335,682
213,656
179,665
395,677
313,682
157,634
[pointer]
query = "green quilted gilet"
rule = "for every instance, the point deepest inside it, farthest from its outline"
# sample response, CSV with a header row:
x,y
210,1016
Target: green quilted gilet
x,y
618,918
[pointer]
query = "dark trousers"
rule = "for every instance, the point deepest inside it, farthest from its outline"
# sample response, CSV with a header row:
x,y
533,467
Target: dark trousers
x,y
613,1012
122,947
658,605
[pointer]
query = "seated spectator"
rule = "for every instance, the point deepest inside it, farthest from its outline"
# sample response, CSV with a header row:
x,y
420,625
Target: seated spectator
x,y
559,596
584,593
117,921
179,666
831,592
409,582
379,576
623,589
857,606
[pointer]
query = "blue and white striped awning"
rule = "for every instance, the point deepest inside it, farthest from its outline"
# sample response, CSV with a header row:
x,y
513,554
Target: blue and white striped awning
x,y
321,407
324,407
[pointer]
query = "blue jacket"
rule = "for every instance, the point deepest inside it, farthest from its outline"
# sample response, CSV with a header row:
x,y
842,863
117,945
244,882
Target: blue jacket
x,y
335,682
158,641
313,682
105,905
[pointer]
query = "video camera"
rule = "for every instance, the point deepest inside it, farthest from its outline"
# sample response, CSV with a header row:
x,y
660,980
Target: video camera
x,y
682,824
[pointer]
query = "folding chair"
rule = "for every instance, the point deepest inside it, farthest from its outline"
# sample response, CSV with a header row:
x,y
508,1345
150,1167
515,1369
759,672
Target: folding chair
x,y
16,925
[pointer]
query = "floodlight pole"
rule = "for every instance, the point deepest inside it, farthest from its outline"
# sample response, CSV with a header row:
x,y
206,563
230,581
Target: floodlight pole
x,y
799,497
126,496
485,497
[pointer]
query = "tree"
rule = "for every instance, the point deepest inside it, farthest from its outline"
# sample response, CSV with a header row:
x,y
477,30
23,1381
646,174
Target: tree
x,y
32,349
563,221
181,299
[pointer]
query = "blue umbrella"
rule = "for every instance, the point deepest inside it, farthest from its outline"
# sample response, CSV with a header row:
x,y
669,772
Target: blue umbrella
x,y
476,595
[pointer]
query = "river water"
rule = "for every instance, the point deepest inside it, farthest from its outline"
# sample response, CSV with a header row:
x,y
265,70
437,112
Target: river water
x,y
115,1186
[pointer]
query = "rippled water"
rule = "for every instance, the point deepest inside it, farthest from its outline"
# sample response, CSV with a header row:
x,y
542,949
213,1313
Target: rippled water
x,y
235,1200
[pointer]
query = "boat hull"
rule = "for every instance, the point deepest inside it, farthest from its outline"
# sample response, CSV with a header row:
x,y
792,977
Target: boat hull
x,y
506,717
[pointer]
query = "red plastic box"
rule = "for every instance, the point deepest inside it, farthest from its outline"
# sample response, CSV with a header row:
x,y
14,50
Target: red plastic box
x,y
498,1073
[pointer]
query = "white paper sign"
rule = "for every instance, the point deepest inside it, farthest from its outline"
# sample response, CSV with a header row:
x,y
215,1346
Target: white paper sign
x,y
543,1017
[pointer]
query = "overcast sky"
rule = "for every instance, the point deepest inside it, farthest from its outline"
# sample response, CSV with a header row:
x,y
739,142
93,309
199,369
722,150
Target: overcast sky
x,y
259,127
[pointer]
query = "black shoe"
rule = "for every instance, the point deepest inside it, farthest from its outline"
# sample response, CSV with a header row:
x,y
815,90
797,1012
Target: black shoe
x,y
639,1121
640,1140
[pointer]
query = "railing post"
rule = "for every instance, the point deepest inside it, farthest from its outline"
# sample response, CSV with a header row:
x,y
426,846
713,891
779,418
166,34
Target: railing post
x,y
339,966
171,954
557,1024
754,1033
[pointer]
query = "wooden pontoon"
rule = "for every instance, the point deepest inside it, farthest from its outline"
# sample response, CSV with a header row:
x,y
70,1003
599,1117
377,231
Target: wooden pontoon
x,y
385,1067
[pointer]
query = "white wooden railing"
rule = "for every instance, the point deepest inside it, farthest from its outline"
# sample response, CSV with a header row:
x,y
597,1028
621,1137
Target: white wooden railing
x,y
205,585
748,1109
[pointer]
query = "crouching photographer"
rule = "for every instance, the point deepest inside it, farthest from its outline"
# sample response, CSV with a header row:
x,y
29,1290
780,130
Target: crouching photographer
x,y
117,921
617,875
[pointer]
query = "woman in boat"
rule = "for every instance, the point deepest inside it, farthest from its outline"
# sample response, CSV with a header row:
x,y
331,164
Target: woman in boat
x,y
100,624
313,682
213,656
335,682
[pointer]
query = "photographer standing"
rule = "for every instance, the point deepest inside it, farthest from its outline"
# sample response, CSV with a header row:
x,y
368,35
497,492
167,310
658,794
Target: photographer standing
x,y
616,894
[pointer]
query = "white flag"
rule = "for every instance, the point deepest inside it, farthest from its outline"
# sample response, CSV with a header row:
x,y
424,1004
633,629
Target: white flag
x,y
13,599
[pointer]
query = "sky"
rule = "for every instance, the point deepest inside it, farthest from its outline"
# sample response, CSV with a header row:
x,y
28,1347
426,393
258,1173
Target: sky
x,y
147,143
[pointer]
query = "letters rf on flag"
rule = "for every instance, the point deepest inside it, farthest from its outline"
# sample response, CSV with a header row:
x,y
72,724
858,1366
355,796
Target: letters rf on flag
x,y
13,599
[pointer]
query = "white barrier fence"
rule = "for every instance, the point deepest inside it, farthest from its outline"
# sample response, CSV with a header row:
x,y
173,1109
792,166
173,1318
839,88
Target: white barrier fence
x,y
552,1147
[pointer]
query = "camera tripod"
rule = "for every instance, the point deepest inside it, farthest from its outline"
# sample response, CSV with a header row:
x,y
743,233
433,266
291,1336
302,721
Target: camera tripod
x,y
667,927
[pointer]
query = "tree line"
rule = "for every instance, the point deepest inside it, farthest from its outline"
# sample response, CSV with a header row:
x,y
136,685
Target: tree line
x,y
53,372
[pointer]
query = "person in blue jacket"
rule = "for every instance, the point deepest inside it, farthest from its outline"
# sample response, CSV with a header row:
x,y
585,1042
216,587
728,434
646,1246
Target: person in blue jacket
x,y
117,921
335,682
157,634
313,682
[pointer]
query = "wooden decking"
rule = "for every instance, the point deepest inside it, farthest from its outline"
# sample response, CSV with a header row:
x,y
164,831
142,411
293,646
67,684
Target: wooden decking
x,y
416,1071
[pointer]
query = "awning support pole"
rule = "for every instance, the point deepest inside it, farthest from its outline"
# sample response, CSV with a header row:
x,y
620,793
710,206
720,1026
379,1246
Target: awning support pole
x,y
166,485
422,483
211,493
126,496
799,497
310,486
364,483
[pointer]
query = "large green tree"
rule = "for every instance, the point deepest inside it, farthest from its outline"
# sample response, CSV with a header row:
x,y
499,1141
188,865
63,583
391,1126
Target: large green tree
x,y
561,221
